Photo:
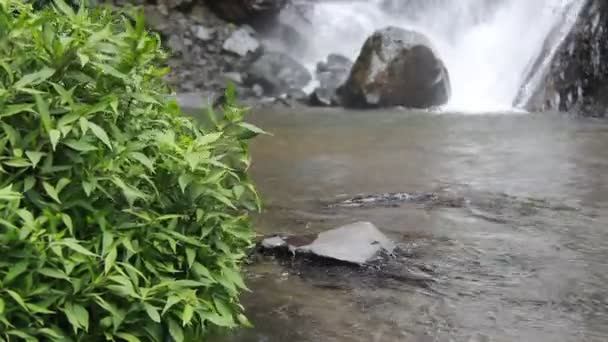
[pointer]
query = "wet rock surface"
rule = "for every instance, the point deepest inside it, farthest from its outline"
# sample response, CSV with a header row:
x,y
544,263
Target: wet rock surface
x,y
396,67
577,78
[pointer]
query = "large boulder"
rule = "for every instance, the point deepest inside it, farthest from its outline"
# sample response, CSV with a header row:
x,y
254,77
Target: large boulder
x,y
396,67
576,79
277,73
331,74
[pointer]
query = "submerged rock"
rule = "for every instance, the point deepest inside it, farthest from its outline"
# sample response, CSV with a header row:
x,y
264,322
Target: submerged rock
x,y
396,67
278,74
577,77
358,243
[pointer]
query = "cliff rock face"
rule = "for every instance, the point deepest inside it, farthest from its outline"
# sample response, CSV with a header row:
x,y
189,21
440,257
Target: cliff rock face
x,y
577,78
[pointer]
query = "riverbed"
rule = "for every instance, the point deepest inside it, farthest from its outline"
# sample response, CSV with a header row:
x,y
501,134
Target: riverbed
x,y
523,259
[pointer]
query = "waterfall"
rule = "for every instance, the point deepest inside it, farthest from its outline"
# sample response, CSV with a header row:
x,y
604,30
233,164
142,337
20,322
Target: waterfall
x,y
488,46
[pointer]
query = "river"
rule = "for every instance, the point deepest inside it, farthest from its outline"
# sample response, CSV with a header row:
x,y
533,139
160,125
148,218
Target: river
x,y
523,260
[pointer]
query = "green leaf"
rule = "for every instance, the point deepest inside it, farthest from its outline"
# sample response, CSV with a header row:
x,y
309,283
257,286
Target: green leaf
x,y
184,180
84,59
244,321
67,98
18,163
13,135
17,298
7,194
2,306
75,246
29,183
26,337
77,315
235,278
152,312
64,8
110,70
54,136
100,134
176,331
52,273
34,157
35,78
209,138
171,301
190,256
61,184
110,260
131,194
51,191
43,111
11,110
80,146
67,220
88,187
143,159
187,315
128,337
252,128
15,271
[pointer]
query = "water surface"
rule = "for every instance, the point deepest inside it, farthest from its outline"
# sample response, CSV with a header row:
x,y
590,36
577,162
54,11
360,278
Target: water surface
x,y
525,260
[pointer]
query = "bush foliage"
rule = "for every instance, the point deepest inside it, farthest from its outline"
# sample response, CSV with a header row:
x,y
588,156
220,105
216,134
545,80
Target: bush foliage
x,y
120,219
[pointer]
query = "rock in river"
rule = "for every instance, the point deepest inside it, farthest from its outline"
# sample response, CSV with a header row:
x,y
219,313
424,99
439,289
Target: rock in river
x,y
358,243
278,74
331,75
396,67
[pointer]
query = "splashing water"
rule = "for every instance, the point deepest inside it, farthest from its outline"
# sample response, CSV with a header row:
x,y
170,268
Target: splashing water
x,y
487,45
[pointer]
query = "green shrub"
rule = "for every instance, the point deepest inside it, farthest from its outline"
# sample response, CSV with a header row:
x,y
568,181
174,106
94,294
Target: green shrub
x,y
120,219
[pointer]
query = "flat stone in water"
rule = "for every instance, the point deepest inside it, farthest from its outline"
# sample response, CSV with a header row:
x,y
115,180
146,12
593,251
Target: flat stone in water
x,y
274,242
357,243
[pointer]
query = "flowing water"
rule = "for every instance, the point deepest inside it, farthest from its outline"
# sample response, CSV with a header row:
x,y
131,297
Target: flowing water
x,y
518,251
523,260
487,45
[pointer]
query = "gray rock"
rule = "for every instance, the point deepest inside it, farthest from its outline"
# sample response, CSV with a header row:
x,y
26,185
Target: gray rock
x,y
233,77
331,74
277,73
358,243
176,43
242,42
273,243
396,67
257,90
203,33
323,97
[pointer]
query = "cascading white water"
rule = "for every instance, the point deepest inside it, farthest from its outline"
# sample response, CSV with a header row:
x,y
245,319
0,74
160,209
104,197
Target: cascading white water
x,y
487,45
